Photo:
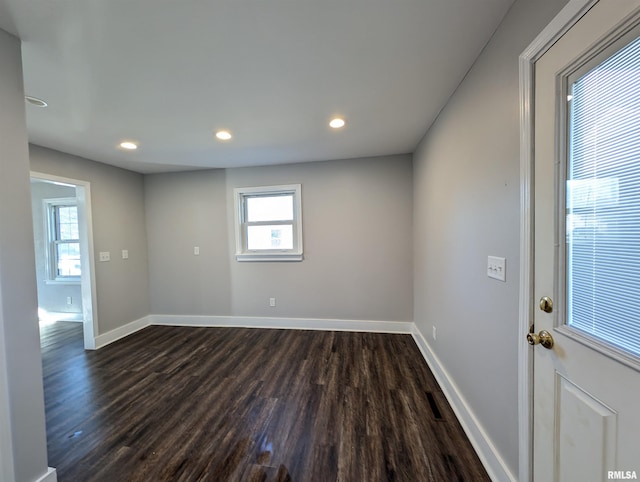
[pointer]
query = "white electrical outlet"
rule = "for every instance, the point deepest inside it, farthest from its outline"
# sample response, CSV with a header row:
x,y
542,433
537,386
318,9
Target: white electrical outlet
x,y
105,256
433,333
497,268
125,254
272,302
196,250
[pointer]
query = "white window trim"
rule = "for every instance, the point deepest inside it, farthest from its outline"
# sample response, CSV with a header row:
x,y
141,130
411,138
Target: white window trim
x,y
49,227
242,254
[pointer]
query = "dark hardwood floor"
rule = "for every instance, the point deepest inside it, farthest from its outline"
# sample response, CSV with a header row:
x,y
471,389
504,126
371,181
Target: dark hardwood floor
x,y
227,404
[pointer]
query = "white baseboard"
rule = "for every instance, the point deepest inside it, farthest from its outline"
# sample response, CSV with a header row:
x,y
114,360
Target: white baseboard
x,y
489,455
254,322
284,323
122,331
50,476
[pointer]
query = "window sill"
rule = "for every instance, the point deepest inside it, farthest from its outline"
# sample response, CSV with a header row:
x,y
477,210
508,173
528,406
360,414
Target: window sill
x,y
269,257
62,281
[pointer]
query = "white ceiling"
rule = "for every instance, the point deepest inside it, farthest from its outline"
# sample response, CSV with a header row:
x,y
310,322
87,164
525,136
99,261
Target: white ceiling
x,y
168,73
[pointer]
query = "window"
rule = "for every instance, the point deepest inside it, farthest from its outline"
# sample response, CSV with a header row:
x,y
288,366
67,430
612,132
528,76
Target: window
x,y
268,223
63,240
603,200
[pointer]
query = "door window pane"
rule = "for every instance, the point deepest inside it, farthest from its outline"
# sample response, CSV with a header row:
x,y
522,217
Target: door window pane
x,y
603,201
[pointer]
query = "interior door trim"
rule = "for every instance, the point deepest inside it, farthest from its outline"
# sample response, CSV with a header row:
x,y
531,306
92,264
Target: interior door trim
x,y
567,17
88,278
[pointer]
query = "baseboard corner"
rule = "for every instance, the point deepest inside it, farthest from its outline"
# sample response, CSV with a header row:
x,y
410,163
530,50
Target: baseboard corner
x,y
109,337
50,476
489,456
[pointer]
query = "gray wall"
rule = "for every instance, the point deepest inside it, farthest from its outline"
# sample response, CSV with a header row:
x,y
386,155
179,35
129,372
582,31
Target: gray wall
x,y
466,206
52,297
117,198
357,243
185,210
23,448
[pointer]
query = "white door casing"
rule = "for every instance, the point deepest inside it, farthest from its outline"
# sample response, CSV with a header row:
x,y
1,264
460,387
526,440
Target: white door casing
x,y
585,418
88,278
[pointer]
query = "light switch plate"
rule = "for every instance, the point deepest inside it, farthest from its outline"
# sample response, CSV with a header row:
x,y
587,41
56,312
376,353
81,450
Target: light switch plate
x,y
497,268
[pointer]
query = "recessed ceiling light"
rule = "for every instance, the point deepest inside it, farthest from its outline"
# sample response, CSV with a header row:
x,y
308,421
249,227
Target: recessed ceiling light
x,y
337,123
35,101
223,135
130,146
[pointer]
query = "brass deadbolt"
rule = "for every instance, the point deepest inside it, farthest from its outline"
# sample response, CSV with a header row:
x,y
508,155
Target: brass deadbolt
x,y
546,304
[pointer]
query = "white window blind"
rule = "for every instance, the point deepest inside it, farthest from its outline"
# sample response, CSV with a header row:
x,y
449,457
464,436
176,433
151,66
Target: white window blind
x,y
603,201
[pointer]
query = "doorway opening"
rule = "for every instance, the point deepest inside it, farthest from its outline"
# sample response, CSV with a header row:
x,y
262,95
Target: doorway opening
x,y
63,241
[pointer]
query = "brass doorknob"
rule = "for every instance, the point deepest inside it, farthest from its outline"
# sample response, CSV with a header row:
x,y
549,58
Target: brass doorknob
x,y
543,338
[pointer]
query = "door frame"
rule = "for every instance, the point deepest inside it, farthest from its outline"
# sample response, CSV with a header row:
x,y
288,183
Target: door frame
x,y
87,259
567,18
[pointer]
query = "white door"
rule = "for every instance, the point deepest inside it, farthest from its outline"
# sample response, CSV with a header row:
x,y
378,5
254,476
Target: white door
x,y
586,405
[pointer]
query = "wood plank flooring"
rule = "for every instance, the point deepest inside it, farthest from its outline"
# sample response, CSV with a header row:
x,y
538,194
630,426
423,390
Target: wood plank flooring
x,y
230,404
